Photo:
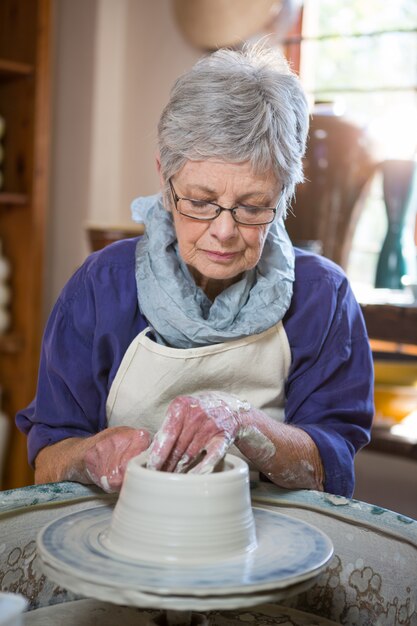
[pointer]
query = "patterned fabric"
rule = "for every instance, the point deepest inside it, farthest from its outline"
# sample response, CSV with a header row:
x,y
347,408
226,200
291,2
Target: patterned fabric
x,y
371,579
180,313
369,582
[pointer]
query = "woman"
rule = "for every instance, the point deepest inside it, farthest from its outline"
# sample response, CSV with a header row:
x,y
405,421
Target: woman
x,y
210,330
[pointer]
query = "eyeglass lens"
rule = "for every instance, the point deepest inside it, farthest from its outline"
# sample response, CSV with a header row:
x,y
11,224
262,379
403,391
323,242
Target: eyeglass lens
x,y
208,211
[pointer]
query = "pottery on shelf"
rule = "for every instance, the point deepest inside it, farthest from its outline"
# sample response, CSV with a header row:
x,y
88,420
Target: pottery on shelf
x,y
183,518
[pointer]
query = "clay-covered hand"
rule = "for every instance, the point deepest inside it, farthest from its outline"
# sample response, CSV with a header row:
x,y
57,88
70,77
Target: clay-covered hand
x,y
197,432
106,459
100,459
199,429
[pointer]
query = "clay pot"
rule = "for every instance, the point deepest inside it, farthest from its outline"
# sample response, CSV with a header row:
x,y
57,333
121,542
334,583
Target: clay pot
x,y
188,518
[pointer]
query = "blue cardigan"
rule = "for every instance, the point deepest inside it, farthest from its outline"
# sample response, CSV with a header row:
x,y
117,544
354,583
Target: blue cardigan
x,y
329,391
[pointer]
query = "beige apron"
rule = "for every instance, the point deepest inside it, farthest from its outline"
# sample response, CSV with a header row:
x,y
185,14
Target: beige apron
x,y
150,375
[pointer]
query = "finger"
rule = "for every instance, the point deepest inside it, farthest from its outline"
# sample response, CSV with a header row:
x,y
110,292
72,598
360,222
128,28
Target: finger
x,y
175,434
107,479
192,440
164,442
106,461
196,436
215,452
159,449
139,442
166,437
113,480
187,462
177,456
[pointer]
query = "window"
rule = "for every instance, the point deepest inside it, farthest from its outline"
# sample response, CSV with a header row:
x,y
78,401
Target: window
x,y
362,56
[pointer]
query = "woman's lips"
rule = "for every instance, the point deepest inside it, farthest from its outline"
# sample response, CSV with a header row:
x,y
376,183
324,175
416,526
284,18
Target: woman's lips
x,y
220,256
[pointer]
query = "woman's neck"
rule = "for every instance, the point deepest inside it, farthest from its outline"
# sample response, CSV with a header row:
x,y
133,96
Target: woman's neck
x,y
211,286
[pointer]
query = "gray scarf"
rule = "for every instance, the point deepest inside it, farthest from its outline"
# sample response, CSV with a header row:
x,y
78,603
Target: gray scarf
x,y
180,313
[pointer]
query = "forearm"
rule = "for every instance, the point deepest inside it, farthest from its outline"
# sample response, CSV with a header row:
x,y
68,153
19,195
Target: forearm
x,y
99,459
285,454
62,461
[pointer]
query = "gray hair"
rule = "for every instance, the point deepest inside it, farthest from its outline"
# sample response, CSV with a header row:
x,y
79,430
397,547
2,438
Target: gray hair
x,y
237,106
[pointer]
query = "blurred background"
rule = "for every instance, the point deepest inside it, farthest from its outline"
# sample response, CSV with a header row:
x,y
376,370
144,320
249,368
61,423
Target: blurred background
x,y
82,85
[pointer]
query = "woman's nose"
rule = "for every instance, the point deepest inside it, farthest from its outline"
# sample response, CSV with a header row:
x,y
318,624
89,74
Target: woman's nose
x,y
224,226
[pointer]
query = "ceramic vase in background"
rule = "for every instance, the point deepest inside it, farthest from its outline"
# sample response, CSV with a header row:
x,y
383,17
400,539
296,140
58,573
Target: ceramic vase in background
x,y
339,164
397,259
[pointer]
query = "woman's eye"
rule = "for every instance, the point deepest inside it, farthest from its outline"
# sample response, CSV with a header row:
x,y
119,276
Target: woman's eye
x,y
201,204
251,209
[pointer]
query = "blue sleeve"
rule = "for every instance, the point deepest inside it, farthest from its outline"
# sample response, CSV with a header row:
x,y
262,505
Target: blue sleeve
x,y
330,384
93,322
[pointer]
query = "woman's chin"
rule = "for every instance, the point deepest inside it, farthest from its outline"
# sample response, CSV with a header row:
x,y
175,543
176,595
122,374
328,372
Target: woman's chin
x,y
214,282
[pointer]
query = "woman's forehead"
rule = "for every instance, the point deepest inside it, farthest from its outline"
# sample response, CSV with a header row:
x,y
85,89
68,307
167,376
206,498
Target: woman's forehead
x,y
209,172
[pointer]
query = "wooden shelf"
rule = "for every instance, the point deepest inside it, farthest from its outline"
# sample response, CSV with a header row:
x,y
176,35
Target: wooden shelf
x,y
7,198
390,323
25,59
385,440
100,236
13,69
392,347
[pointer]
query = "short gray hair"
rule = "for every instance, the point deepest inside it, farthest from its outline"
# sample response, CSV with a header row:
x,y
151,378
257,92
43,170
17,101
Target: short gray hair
x,y
237,106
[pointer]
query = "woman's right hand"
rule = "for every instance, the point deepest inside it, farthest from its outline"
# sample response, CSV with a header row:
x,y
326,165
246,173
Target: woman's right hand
x,y
100,459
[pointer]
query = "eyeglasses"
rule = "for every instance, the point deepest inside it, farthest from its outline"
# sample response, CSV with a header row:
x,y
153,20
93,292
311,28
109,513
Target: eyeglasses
x,y
206,211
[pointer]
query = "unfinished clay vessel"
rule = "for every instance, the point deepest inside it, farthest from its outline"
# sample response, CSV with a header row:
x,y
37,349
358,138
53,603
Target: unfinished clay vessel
x,y
188,518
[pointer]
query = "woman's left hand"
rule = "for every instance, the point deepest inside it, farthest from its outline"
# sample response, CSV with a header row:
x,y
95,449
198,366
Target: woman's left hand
x,y
198,431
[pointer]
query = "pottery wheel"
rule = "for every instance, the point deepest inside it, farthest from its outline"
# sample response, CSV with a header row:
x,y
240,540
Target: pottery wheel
x,y
290,555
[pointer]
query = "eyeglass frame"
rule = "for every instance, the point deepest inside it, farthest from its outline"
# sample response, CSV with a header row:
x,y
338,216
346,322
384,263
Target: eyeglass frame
x,y
220,209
